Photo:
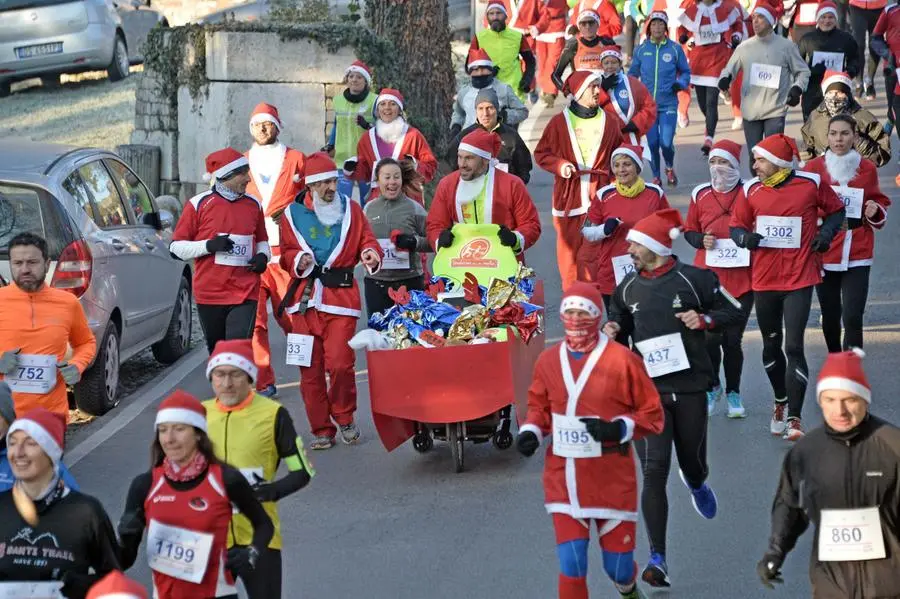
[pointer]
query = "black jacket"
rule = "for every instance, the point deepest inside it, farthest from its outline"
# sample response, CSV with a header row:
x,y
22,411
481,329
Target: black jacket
x,y
830,470
835,40
873,142
645,308
513,150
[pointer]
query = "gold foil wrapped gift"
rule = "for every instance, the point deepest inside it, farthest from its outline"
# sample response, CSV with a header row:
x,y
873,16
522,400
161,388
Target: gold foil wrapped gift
x,y
472,321
499,293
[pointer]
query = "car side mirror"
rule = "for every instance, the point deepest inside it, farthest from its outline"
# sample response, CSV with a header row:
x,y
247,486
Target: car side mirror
x,y
166,220
152,219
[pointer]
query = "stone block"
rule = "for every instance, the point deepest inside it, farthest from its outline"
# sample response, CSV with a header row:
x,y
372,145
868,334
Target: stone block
x,y
168,146
260,56
222,118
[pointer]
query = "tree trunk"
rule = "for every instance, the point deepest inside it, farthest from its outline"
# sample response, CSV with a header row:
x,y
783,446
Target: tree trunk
x,y
420,31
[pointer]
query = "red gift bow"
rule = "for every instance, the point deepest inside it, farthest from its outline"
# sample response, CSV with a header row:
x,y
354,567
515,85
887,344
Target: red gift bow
x,y
434,289
470,287
400,296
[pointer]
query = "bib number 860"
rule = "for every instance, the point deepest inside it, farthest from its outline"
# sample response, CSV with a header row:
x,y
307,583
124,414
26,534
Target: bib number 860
x,y
174,551
658,355
573,437
780,232
30,373
846,535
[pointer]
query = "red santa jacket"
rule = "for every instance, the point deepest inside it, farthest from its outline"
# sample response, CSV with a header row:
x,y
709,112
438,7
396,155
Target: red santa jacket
x,y
610,383
411,143
801,195
558,146
609,203
507,203
854,247
641,107
610,23
551,23
710,29
356,238
710,212
288,169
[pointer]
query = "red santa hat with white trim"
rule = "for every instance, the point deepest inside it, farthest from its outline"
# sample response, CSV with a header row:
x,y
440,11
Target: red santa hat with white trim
x,y
360,68
46,428
657,231
633,152
578,83
779,149
484,144
497,5
221,163
180,407
320,167
265,113
825,7
844,371
614,51
478,58
233,352
727,149
837,78
116,585
588,15
390,94
768,10
582,296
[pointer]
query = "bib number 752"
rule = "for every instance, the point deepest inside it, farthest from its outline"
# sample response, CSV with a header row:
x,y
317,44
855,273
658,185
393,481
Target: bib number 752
x,y
30,373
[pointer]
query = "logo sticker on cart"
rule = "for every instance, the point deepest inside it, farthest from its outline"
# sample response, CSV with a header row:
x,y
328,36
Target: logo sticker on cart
x,y
472,255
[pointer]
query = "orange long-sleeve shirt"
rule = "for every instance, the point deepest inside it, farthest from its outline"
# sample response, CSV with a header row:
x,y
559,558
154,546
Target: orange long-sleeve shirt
x,y
45,322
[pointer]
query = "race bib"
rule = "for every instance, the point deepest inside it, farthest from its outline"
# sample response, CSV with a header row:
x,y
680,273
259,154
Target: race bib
x,y
393,259
807,14
178,552
706,36
725,254
850,535
765,75
622,266
30,590
781,232
299,350
833,61
240,254
34,373
852,198
663,355
571,439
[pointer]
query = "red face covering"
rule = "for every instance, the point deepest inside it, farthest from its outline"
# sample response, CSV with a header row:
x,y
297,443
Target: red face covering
x,y
582,332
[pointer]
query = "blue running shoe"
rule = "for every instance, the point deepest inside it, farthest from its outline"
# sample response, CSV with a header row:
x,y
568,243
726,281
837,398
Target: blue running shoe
x,y
269,391
735,405
656,573
711,398
704,499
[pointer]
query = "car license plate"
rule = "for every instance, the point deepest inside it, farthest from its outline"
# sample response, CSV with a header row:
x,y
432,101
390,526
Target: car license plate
x,y
39,50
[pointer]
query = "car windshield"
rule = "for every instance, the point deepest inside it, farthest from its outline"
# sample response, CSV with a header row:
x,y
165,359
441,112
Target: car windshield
x,y
25,4
20,211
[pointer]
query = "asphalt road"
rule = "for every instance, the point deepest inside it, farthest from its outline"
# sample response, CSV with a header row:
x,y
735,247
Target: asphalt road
x,y
403,525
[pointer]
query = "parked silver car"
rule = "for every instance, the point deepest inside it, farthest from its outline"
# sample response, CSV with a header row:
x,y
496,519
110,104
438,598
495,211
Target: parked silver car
x,y
45,38
109,246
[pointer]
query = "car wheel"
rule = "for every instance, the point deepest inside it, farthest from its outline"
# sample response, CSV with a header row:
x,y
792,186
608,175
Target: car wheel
x,y
97,392
178,336
118,68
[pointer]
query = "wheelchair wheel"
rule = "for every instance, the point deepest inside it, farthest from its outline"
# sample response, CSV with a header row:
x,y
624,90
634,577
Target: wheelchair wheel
x,y
422,441
502,439
456,438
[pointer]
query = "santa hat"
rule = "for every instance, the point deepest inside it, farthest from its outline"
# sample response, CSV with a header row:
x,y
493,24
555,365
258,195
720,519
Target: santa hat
x,y
390,94
497,5
825,7
320,167
233,352
729,150
360,68
657,231
837,78
181,408
582,296
844,371
116,585
767,10
615,51
633,152
485,144
658,14
46,428
265,113
579,81
223,162
588,15
478,58
778,149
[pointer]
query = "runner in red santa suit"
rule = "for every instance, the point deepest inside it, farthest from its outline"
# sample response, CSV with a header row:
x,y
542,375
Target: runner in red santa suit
x,y
610,23
276,176
549,34
576,147
323,237
603,258
594,397
223,230
481,193
391,137
845,284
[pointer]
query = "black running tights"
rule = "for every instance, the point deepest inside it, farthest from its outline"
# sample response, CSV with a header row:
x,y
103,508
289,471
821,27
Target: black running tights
x,y
708,99
842,298
727,341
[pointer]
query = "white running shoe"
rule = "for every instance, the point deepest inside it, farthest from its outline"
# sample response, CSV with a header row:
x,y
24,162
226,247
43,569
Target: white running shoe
x,y
737,124
779,417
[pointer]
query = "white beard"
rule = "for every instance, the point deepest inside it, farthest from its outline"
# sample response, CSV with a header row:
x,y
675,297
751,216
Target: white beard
x,y
390,132
467,191
328,213
842,168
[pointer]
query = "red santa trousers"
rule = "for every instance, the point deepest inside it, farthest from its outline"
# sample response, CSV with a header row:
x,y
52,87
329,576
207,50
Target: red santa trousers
x,y
736,94
620,539
548,54
273,284
568,242
332,354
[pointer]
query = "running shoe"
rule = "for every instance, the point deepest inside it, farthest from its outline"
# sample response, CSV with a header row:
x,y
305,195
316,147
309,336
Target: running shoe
x,y
634,593
870,92
793,431
322,442
707,146
684,121
350,433
658,182
549,100
711,398
737,124
671,177
270,391
779,414
656,574
703,499
735,405
534,97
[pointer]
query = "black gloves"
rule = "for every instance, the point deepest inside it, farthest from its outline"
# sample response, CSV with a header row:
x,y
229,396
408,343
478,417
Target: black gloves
x,y
794,96
817,70
362,122
630,128
608,83
455,130
445,239
527,443
725,83
735,41
262,490
676,88
241,560
683,38
405,241
769,569
751,240
603,431
349,165
258,263
219,243
610,226
820,244
507,237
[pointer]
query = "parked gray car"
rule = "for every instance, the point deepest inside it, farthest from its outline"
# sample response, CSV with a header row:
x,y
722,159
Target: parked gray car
x,y
108,239
45,38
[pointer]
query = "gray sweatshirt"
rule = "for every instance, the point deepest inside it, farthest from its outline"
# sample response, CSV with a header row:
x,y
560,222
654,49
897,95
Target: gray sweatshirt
x,y
409,217
464,106
771,66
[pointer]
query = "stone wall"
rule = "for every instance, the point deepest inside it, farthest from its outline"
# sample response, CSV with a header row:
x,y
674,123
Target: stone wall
x,y
179,12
